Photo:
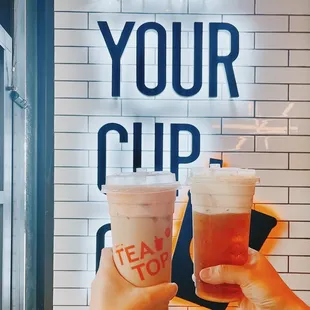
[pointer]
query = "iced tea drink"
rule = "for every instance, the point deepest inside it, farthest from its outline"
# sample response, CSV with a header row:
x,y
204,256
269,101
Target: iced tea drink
x,y
222,199
141,207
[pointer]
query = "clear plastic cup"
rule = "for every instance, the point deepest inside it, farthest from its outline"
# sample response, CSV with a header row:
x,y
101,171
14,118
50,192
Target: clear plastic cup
x,y
141,206
222,199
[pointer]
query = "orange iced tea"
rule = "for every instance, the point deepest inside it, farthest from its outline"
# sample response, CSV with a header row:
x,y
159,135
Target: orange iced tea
x,y
219,239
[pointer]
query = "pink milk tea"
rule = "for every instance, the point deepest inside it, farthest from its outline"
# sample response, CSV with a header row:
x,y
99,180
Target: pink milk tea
x,y
141,206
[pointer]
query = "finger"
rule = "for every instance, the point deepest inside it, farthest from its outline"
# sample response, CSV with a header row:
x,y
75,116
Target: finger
x,y
106,261
225,274
161,293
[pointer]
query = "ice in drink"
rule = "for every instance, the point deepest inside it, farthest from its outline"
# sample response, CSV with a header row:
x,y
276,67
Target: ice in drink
x,y
141,207
222,199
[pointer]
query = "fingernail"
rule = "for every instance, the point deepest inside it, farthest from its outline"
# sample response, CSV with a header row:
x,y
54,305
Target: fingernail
x,y
205,274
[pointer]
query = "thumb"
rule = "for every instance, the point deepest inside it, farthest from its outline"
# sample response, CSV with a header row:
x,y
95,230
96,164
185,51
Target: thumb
x,y
161,293
225,274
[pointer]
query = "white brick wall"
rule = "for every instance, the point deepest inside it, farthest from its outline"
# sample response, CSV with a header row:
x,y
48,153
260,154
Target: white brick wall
x,y
267,128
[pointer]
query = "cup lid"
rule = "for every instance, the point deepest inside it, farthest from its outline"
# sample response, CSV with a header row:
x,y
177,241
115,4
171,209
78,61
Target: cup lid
x,y
158,179
215,171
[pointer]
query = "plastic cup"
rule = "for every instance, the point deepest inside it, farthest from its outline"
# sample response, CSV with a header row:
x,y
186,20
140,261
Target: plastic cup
x,y
222,199
141,207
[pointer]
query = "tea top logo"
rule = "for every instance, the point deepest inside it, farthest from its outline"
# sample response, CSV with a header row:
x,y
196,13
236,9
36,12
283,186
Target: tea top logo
x,y
116,50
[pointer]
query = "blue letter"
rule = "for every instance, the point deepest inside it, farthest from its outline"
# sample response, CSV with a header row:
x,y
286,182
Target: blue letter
x,y
176,78
226,60
102,149
116,52
137,146
175,158
159,146
162,59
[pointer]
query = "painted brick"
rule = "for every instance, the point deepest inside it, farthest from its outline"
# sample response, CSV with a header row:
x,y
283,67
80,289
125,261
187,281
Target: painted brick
x,y
271,195
242,74
170,94
81,210
221,108
99,55
151,74
115,159
94,38
286,247
292,41
227,143
205,126
70,89
259,92
284,178
261,58
299,23
71,20
70,262
299,195
299,264
148,124
300,161
282,109
252,23
71,158
300,58
70,227
71,124
283,7
222,7
149,6
74,245
300,92
73,279
299,230
299,127
72,37
246,40
75,141
154,108
87,107
94,225
187,21
95,195
83,72
257,160
70,308
88,5
148,143
297,281
118,21
70,192
71,55
254,126
283,75
203,159
70,297
283,144
187,58
104,90
288,212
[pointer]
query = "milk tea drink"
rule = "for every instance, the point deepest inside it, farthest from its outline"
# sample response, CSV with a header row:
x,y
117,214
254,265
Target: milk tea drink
x,y
221,199
141,207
